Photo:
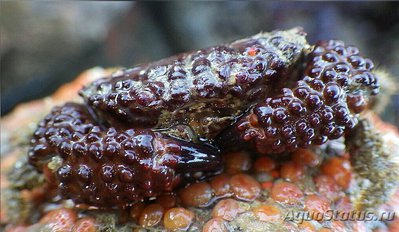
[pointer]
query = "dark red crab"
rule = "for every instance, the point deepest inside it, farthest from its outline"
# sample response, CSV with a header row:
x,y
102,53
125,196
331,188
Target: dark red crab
x,y
143,131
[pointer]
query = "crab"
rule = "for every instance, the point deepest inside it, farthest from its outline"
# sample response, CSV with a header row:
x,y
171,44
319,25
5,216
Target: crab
x,y
141,132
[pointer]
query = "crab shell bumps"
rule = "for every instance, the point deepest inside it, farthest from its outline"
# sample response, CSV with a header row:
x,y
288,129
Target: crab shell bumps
x,y
256,110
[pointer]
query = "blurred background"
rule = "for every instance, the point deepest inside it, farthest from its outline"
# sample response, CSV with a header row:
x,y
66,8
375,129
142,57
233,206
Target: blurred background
x,y
45,44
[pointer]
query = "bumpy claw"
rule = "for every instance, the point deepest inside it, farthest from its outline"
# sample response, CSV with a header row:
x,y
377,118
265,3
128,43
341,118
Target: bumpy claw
x,y
205,89
323,105
109,167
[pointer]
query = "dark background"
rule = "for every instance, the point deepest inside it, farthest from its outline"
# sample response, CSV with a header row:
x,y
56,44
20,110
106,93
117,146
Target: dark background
x,y
46,44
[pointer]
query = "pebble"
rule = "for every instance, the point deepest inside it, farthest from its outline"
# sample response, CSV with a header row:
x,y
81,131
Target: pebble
x,y
245,187
197,194
151,215
285,192
226,209
178,219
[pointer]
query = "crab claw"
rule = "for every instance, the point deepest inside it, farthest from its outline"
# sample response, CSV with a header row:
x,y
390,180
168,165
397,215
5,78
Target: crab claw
x,y
111,167
323,105
198,158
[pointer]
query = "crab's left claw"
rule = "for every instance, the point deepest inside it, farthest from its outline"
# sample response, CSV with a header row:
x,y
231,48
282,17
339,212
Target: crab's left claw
x,y
322,106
